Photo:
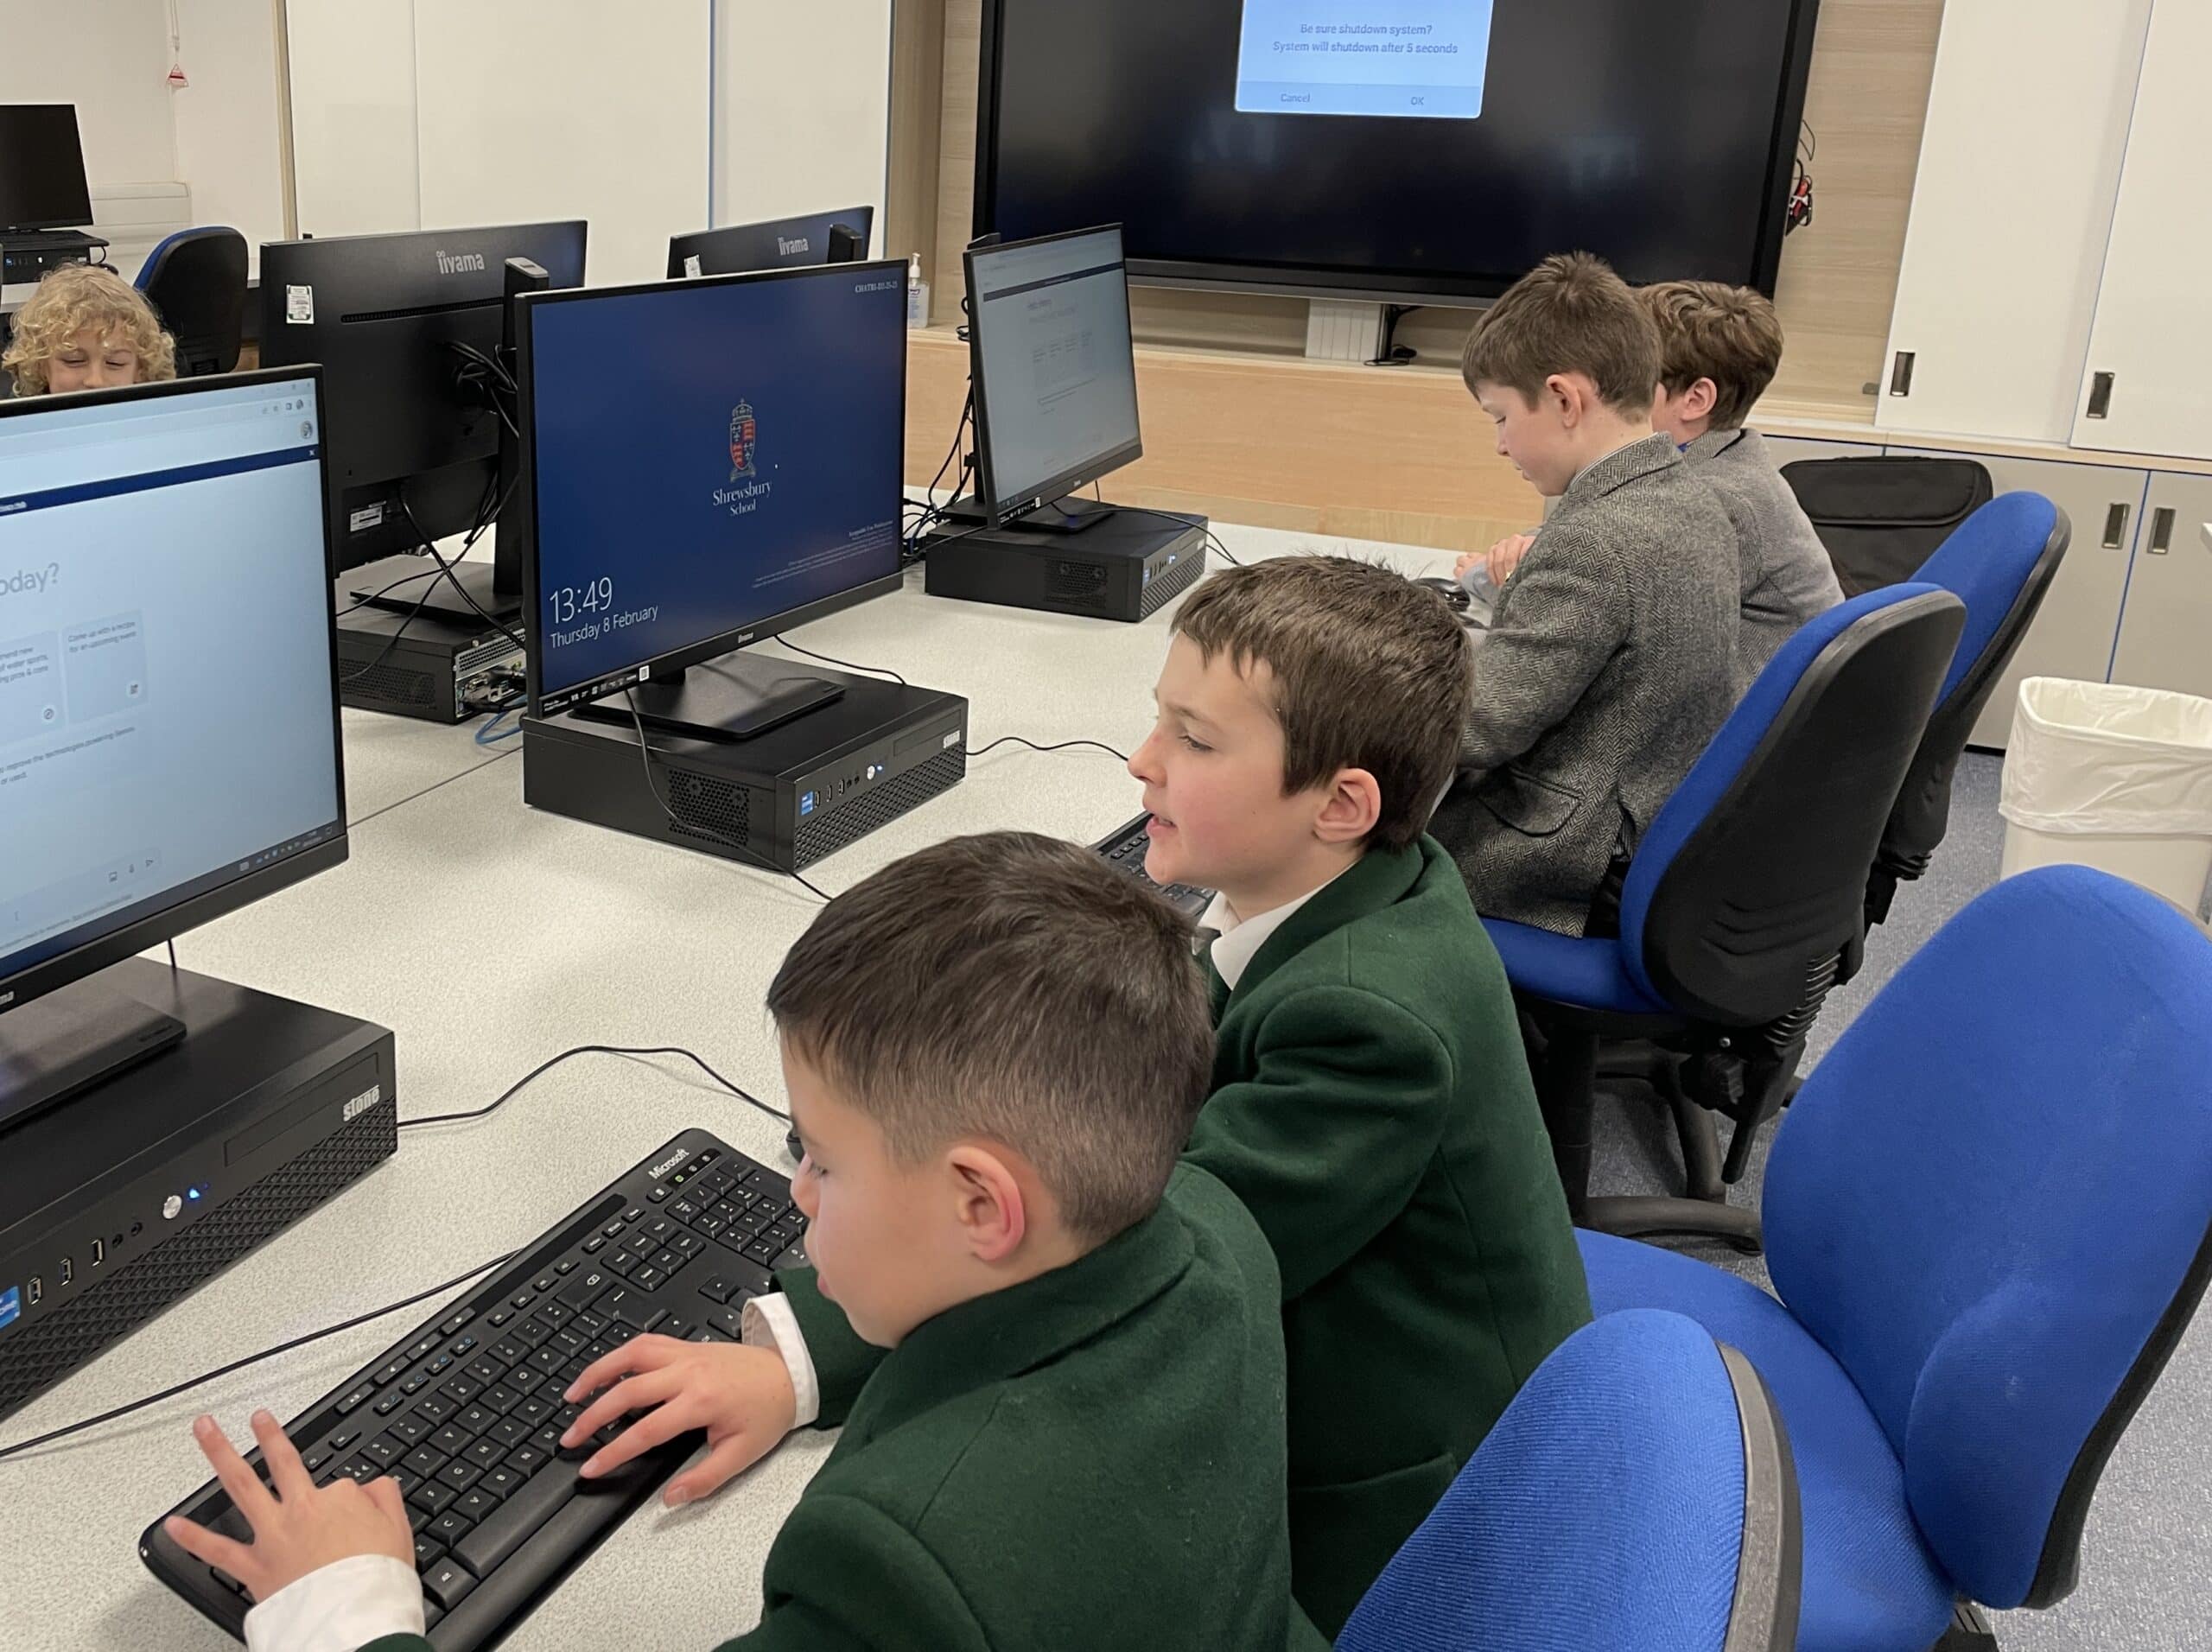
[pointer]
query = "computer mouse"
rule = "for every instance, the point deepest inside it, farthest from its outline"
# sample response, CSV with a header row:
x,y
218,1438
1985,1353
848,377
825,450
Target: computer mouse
x,y
1451,590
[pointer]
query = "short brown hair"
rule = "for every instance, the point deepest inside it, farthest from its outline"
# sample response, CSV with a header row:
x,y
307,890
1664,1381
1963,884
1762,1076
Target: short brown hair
x,y
1710,330
1015,987
72,297
1569,314
1370,672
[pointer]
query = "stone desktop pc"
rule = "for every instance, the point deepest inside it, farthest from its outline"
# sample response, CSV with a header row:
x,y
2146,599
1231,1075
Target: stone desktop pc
x,y
708,463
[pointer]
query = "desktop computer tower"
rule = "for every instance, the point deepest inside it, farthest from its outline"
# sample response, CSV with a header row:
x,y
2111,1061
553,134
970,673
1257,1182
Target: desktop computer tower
x,y
782,799
1127,566
420,666
118,1202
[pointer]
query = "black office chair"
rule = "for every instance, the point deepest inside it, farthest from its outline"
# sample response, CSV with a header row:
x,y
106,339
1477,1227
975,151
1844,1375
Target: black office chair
x,y
196,282
2001,564
1744,907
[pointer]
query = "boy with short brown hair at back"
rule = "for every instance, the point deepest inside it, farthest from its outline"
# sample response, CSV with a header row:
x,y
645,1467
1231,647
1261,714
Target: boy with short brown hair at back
x,y
1610,659
993,1050
1719,347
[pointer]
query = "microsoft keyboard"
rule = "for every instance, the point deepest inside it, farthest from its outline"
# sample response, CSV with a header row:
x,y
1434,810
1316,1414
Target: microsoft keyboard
x,y
465,1413
1124,851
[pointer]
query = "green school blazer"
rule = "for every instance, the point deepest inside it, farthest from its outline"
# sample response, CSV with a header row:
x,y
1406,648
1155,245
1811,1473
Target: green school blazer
x,y
1373,1107
1090,1459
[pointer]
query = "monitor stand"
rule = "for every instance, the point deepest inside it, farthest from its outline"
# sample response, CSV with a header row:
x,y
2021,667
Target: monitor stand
x,y
61,1045
1066,515
434,591
734,698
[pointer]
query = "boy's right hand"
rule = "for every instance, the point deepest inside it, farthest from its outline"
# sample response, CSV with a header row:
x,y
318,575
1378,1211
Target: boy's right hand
x,y
742,1396
1505,555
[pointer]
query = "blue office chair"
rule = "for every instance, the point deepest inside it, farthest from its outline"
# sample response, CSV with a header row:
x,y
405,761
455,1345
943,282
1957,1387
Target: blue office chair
x,y
2000,561
1637,1496
1988,1222
1744,904
195,280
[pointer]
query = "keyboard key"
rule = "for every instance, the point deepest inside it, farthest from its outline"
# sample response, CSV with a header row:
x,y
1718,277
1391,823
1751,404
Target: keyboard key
x,y
434,1497
685,1210
360,1396
360,1469
460,1474
526,1460
532,1410
477,1419
717,1289
418,1518
728,1322
447,1584
386,1449
508,1432
511,1525
451,1527
553,1356
508,1351
633,1214
522,1299
677,1326
594,1245
435,1410
555,1314
422,1349
451,1440
687,1244
612,1230
646,1277
498,1315
415,1383
461,1389
523,1379
441,1365
315,1458
486,1369
620,1264
763,1251
475,1504
387,1375
531,1333
568,1266
500,1482
344,1438
425,1460
406,1478
659,1193
457,1322
486,1453
428,1552
542,1282
389,1403
412,1430
579,1291
499,1399
660,1229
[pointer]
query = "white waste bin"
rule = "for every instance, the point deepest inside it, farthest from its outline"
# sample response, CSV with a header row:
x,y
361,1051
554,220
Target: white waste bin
x,y
2106,775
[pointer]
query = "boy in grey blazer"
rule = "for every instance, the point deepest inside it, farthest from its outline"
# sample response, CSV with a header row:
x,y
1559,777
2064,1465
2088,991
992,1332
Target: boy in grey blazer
x,y
1720,348
1611,659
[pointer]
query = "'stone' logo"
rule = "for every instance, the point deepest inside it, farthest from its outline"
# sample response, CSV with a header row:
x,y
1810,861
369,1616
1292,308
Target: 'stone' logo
x,y
744,436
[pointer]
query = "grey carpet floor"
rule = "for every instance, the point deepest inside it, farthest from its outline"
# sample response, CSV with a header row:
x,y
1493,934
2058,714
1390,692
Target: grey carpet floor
x,y
2149,1541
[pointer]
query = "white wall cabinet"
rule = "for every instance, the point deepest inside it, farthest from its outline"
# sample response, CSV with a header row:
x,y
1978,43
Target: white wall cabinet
x,y
2148,387
2165,636
2028,120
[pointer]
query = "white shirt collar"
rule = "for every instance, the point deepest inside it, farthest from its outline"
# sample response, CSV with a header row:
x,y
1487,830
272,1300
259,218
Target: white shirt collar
x,y
1238,941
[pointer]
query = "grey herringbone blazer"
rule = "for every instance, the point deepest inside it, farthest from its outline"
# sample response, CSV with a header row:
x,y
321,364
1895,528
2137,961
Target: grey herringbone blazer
x,y
1788,578
1611,662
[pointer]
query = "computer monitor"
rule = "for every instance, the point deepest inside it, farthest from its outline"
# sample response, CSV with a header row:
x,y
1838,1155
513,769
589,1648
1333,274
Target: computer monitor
x,y
169,700
403,326
1054,376
42,168
784,243
708,462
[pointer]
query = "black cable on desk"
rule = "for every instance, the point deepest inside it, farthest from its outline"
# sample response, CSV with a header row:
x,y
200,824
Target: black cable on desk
x,y
831,659
1057,746
170,1393
637,1052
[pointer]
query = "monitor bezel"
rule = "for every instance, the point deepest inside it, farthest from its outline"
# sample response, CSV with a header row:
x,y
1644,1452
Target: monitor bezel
x,y
92,955
1001,509
1396,286
862,217
543,705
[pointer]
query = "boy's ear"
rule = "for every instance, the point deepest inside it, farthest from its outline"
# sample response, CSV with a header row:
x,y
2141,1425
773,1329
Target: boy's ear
x,y
989,1201
1350,807
1570,396
1700,399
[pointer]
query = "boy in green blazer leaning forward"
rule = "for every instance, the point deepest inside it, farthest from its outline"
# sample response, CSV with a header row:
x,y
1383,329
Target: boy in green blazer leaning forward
x,y
1076,1440
1372,1101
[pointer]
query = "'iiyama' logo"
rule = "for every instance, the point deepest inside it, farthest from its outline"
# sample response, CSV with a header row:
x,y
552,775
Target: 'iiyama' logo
x,y
461,264
789,248
670,1163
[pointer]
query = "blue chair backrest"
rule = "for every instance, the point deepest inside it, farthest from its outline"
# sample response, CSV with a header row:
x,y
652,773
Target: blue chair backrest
x,y
1992,1202
1758,864
1986,563
195,280
1605,1512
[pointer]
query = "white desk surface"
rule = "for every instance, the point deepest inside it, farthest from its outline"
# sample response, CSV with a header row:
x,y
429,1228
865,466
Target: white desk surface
x,y
489,937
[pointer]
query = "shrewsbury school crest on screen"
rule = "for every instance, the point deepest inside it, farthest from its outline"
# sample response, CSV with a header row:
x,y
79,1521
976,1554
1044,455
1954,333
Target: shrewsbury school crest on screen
x,y
743,432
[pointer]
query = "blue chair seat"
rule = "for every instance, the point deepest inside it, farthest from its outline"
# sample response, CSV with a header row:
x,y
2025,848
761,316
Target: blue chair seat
x,y
1870,1584
1584,974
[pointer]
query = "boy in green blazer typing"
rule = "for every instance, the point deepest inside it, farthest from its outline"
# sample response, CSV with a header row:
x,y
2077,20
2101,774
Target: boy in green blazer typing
x,y
1371,1102
1075,1438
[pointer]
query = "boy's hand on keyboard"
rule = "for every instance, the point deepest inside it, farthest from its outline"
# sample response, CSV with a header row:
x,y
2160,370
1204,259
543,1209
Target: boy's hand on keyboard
x,y
742,1396
298,1527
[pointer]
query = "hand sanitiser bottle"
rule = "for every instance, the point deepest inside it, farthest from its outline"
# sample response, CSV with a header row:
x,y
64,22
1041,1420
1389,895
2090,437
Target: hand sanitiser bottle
x,y
918,295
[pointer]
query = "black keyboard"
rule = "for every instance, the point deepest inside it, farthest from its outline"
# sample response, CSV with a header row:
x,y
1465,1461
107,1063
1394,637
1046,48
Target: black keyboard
x,y
1124,850
465,1413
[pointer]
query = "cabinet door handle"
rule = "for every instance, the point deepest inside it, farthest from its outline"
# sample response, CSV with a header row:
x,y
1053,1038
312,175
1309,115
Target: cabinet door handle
x,y
2162,531
1901,372
2101,394
2116,526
